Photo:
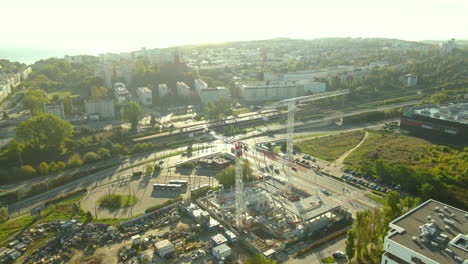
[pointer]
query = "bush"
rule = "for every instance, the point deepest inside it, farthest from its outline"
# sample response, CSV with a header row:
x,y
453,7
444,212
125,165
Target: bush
x,y
75,161
157,167
117,201
43,168
137,174
61,166
3,214
117,149
52,167
24,172
188,165
104,153
149,169
91,157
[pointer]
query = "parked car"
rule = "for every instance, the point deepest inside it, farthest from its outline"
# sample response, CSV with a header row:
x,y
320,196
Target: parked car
x,y
339,254
325,191
277,171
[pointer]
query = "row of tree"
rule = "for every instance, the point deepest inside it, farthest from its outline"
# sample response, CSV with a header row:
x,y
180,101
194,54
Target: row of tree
x,y
371,226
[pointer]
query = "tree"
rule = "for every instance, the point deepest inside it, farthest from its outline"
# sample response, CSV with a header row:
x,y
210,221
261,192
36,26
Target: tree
x,y
440,98
15,147
74,161
61,166
132,113
228,175
149,169
218,110
426,191
3,214
350,246
43,168
44,131
104,153
34,100
90,157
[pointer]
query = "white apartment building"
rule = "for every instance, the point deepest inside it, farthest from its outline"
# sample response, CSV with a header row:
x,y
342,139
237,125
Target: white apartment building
x,y
24,74
145,95
214,94
100,109
163,90
56,109
432,233
5,89
409,80
183,89
278,90
121,93
199,84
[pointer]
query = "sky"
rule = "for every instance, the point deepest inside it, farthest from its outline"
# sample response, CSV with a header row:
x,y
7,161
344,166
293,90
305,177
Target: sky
x,y
98,26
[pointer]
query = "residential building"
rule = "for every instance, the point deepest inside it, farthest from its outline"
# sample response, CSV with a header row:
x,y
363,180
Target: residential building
x,y
100,109
183,89
270,90
409,80
145,95
222,251
432,233
213,94
121,93
311,87
199,84
163,90
25,73
55,108
5,89
164,248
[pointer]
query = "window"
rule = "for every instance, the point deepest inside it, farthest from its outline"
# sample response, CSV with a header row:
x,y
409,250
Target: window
x,y
417,260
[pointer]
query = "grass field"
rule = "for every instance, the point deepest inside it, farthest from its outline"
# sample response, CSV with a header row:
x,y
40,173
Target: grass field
x,y
389,147
328,260
117,201
63,94
331,147
317,135
376,198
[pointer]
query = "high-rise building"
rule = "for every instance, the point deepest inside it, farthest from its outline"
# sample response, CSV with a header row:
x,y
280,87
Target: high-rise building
x,y
213,94
199,84
432,233
163,90
121,93
183,89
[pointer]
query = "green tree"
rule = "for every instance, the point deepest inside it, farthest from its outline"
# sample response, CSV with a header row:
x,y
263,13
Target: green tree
x,y
132,113
149,169
3,214
44,131
350,245
426,191
228,175
104,153
259,259
15,147
74,161
61,166
34,100
53,167
90,157
440,98
43,168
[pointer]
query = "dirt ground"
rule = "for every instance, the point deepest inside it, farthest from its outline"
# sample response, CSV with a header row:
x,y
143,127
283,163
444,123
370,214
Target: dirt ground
x,y
142,188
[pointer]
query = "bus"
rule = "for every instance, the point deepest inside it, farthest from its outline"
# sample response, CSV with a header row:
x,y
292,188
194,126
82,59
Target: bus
x,y
162,186
181,182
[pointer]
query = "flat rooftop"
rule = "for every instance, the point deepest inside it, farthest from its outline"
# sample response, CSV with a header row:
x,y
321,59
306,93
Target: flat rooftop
x,y
452,112
310,208
442,216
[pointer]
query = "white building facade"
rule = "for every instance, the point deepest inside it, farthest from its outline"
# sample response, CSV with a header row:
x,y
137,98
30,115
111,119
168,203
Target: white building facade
x,y
183,89
56,109
214,94
409,80
199,84
104,109
145,95
163,90
268,91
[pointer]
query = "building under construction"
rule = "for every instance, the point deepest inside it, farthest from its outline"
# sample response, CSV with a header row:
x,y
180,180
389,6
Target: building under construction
x,y
272,218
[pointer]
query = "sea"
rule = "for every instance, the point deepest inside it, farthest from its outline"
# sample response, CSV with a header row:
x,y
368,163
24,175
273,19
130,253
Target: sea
x,y
30,55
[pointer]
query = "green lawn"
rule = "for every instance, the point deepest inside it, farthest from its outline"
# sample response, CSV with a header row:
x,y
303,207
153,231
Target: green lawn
x,y
377,198
331,147
9,228
117,201
63,94
317,135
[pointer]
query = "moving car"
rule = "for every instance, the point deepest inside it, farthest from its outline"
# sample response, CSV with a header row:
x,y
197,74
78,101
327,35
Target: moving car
x,y
339,254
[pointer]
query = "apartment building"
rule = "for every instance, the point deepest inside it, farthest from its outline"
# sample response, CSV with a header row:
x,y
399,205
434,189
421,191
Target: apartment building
x,y
121,93
145,95
409,80
199,84
163,90
214,94
100,109
183,89
55,108
432,233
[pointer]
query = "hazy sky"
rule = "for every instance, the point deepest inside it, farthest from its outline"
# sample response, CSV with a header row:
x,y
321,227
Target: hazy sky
x,y
113,25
